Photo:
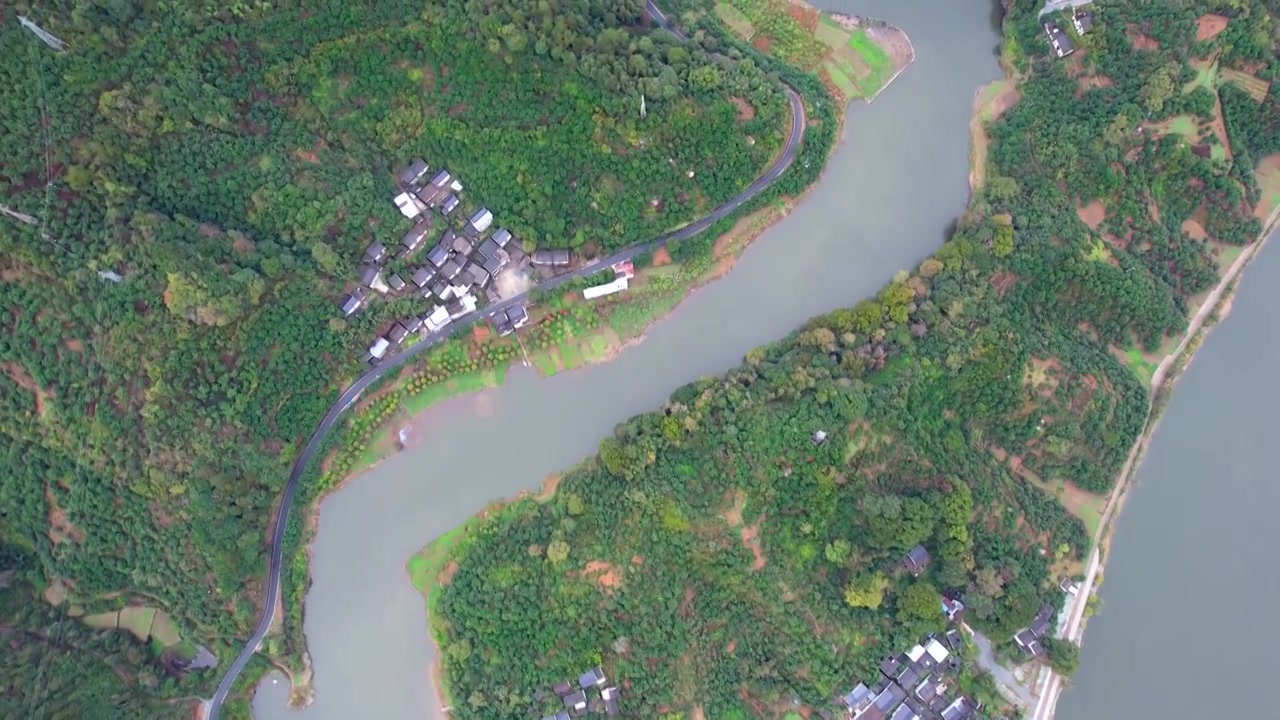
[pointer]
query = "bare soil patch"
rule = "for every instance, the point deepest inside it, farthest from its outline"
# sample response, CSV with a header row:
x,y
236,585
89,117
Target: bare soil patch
x,y
28,383
446,575
75,345
1193,229
605,575
1208,26
661,257
751,540
733,513
1092,214
1140,41
989,103
806,15
746,111
60,528
761,42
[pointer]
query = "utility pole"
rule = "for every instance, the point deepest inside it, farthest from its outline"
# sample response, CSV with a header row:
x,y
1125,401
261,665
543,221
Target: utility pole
x,y
40,32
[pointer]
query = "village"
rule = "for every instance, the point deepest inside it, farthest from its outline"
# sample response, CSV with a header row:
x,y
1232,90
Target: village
x,y
470,264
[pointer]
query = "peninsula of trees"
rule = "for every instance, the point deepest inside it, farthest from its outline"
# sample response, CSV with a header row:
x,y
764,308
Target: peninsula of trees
x,y
747,552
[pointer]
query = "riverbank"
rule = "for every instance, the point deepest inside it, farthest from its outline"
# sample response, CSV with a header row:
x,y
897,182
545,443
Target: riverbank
x,y
1214,308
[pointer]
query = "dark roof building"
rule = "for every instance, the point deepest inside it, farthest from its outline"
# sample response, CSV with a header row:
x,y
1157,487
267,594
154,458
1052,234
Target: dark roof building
x,y
1083,20
477,275
610,697
576,702
442,178
438,255
518,316
889,665
885,702
555,258
502,324
413,324
422,276
960,709
489,249
461,245
1059,40
858,698
395,282
439,288
368,274
952,638
375,253
352,302
916,559
412,174
564,687
591,678
1040,627
450,270
397,334
502,236
904,712
414,237
449,204
493,265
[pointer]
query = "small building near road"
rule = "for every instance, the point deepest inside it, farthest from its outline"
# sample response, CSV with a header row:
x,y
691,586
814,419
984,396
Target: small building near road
x,y
352,302
436,319
368,275
489,249
952,607
397,334
552,258
1068,586
493,265
502,236
916,560
857,699
411,175
375,253
379,348
518,315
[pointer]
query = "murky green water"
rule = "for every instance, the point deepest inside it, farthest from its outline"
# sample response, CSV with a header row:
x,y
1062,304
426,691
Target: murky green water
x,y
893,187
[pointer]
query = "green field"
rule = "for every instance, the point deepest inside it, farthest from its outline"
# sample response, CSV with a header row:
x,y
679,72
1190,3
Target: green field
x,y
735,20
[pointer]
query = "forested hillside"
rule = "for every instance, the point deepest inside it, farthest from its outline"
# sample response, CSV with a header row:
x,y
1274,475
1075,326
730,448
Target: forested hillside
x,y
721,559
187,191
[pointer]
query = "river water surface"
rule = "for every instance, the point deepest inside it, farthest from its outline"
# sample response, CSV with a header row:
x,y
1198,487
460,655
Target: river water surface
x,y
888,195
1188,625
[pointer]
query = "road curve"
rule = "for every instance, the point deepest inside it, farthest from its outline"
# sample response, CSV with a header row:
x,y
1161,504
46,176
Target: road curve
x,y
353,392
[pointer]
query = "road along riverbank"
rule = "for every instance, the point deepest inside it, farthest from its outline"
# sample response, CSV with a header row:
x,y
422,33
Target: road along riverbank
x,y
1213,309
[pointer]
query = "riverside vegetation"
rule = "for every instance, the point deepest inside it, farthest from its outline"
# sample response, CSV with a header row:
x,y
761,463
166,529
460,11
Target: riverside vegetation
x,y
722,564
230,163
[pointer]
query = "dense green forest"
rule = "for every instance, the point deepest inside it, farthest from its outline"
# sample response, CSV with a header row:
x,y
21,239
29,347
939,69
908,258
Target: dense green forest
x,y
224,165
720,562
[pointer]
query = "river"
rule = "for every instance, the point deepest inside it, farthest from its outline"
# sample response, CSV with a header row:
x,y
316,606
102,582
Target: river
x,y
1186,628
890,191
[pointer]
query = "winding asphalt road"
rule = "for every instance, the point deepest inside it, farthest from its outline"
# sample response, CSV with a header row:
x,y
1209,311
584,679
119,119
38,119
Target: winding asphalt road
x,y
352,393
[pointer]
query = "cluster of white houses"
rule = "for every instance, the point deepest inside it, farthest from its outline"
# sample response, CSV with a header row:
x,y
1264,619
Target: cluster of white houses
x,y
915,685
457,270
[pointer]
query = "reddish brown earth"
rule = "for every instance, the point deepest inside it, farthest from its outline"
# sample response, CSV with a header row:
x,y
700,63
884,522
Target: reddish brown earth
x,y
1208,26
1092,214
